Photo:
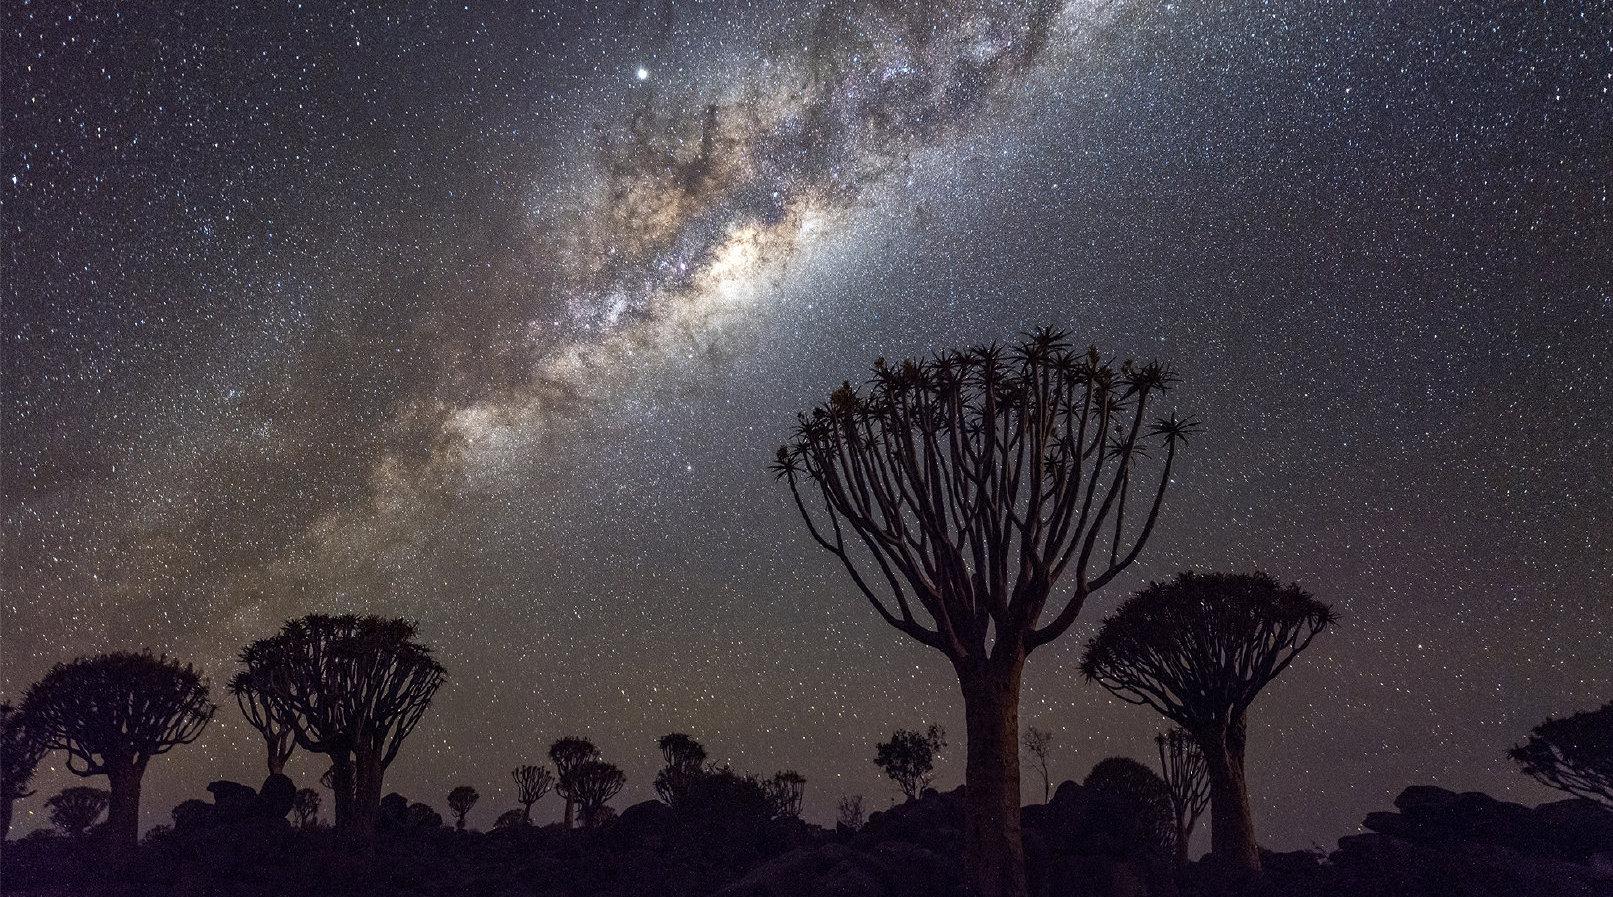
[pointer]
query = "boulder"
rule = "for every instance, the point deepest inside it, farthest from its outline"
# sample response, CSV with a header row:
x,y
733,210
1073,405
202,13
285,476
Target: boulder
x,y
276,796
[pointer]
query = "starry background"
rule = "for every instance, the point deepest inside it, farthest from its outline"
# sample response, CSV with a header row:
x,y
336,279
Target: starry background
x,y
490,315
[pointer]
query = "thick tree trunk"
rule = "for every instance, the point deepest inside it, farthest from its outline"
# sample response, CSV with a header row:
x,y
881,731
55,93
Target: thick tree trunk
x,y
367,775
1184,835
571,812
526,814
123,809
6,806
994,855
1232,827
341,786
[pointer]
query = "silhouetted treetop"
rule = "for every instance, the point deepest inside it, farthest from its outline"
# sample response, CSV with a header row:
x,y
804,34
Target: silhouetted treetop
x,y
977,478
75,809
568,754
461,800
909,758
120,708
592,784
1158,646
1573,754
681,751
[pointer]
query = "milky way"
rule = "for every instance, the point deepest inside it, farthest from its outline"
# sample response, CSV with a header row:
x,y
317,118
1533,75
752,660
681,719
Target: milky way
x,y
491,317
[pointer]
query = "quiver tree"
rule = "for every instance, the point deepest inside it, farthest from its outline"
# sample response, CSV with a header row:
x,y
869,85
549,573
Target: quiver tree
x,y
349,687
112,713
1199,649
1573,754
568,754
278,734
592,784
909,758
1181,765
531,784
75,809
21,749
461,800
305,806
684,758
958,492
786,790
1039,744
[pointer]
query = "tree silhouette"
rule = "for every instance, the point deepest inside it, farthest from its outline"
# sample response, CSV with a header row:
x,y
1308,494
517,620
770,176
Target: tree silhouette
x,y
349,687
909,758
786,790
593,783
305,806
1199,649
112,713
460,800
849,814
75,809
510,819
278,734
1134,804
684,757
531,784
568,754
21,749
1573,754
964,488
1181,765
1039,744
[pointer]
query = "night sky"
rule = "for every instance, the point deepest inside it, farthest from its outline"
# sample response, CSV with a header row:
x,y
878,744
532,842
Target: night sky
x,y
491,316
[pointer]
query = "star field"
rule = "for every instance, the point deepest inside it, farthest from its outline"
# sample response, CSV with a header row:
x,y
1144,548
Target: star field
x,y
491,315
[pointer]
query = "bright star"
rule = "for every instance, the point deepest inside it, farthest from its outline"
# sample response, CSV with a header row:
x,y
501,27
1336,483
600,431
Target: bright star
x,y
643,73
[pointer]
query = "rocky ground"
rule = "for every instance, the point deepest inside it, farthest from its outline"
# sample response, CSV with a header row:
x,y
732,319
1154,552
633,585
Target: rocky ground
x,y
1435,843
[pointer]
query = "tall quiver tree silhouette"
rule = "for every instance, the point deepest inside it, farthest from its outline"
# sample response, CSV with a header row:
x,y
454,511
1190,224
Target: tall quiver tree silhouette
x,y
352,688
531,784
112,713
279,735
1181,765
1573,754
593,784
958,492
1199,649
1039,744
21,749
568,754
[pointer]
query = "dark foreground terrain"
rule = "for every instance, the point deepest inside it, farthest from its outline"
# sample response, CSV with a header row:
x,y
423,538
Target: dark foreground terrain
x,y
1435,843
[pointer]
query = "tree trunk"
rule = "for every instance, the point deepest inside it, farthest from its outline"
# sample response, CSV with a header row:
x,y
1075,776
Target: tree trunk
x,y
367,775
571,806
526,814
994,855
123,809
6,806
1232,827
341,787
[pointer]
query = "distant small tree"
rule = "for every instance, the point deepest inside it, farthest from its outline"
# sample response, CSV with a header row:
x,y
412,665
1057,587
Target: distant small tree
x,y
279,734
593,783
1573,754
21,749
1199,649
531,784
461,800
305,806
1039,744
114,712
849,815
1133,802
786,790
510,819
568,754
75,809
909,758
684,757
1181,765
